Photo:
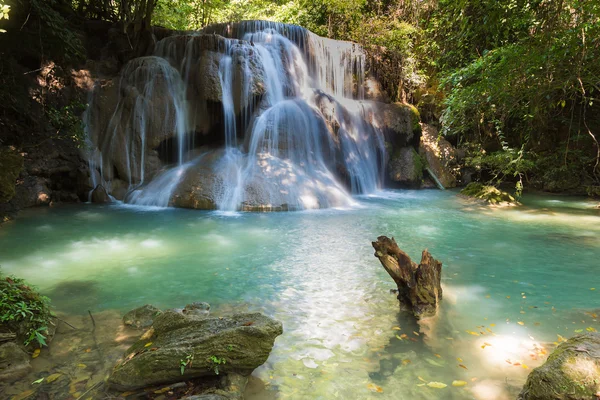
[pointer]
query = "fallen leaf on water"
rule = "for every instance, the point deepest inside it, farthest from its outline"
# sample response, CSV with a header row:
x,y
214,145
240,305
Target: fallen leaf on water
x,y
459,359
23,395
36,353
420,384
472,333
578,330
508,361
485,345
508,297
396,328
437,385
590,329
536,323
416,333
37,381
374,388
53,377
592,288
459,383
88,350
81,365
561,339
521,323
522,312
404,336
148,344
462,366
163,390
517,364
421,379
524,366
437,355
406,361
398,337
492,325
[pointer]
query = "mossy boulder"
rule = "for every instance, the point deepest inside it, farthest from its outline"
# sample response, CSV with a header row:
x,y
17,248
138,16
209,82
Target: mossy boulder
x,y
405,168
488,193
182,346
572,372
141,317
11,165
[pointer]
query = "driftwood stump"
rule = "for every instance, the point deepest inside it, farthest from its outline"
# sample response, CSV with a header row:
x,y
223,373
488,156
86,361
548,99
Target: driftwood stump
x,y
419,286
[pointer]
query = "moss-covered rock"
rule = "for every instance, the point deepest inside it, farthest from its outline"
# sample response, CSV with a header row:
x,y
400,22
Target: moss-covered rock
x,y
11,165
405,168
182,346
141,317
488,193
572,372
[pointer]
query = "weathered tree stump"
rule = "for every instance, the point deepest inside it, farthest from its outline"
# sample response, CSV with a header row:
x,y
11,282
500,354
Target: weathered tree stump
x,y
419,286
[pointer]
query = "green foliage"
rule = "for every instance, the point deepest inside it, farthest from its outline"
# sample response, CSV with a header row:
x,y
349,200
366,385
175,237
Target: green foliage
x,y
67,122
23,310
216,361
4,10
189,359
491,194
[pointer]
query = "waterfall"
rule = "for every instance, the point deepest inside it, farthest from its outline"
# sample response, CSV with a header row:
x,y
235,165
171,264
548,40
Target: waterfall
x,y
276,111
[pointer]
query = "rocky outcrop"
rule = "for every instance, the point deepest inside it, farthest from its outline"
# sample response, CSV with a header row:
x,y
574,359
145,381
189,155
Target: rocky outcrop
x,y
181,346
488,194
439,155
419,286
572,372
14,362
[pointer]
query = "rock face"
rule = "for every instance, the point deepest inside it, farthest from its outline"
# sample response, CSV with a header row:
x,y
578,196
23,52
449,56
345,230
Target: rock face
x,y
405,168
14,362
572,372
439,154
141,317
188,345
419,286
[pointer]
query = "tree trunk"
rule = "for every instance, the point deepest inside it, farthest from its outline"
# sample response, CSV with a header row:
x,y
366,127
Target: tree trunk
x,y
419,286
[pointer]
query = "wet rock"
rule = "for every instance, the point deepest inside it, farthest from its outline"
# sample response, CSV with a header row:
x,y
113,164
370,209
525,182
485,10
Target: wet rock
x,y
191,346
100,195
439,155
419,286
489,194
32,191
14,362
141,317
571,372
197,308
405,168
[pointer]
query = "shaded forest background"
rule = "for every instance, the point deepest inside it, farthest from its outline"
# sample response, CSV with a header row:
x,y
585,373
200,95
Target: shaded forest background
x,y
514,83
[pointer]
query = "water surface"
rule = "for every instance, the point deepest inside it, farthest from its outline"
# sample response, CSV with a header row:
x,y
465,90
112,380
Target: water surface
x,y
514,280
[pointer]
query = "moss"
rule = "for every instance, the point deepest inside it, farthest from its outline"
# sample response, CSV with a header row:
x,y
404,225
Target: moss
x,y
420,165
489,193
415,119
11,165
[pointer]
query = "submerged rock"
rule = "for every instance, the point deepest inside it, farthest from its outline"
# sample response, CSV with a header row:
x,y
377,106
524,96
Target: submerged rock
x,y
141,317
572,372
14,362
489,194
419,286
186,346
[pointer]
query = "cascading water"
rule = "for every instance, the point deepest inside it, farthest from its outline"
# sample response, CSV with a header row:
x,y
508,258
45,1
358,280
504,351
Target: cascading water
x,y
294,133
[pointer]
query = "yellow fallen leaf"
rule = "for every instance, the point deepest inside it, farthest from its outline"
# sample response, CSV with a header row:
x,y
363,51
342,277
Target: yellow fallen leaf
x,y
406,361
492,325
148,344
590,329
524,366
163,390
485,344
374,388
437,355
508,297
592,288
472,333
53,377
82,365
462,366
561,339
421,379
521,323
437,385
36,353
459,359
396,328
459,383
398,337
416,333
578,330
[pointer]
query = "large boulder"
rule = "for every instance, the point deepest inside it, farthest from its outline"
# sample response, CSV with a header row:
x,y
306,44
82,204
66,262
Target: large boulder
x,y
14,362
141,317
100,195
439,154
572,372
182,346
405,168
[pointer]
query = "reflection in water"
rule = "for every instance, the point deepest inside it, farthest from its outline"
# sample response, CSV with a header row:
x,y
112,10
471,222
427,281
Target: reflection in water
x,y
513,280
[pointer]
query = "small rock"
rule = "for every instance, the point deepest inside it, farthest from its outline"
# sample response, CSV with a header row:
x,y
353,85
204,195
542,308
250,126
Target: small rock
x,y
14,362
197,308
141,317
